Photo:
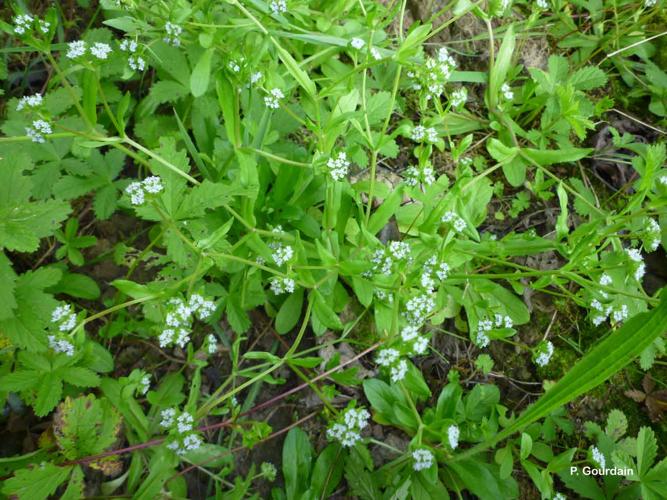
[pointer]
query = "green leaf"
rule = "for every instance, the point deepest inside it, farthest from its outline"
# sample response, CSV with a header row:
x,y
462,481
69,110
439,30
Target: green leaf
x,y
19,380
75,486
588,78
526,446
297,73
561,221
324,313
48,395
77,285
546,157
79,376
498,72
647,449
8,280
327,472
297,456
483,480
229,105
201,74
36,483
290,312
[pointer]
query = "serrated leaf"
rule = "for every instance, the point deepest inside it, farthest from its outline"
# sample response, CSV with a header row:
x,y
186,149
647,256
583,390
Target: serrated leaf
x,y
8,280
588,78
48,394
79,376
36,483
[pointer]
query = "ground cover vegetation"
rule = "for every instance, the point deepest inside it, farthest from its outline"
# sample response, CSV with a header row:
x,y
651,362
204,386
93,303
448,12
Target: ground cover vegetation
x,y
333,248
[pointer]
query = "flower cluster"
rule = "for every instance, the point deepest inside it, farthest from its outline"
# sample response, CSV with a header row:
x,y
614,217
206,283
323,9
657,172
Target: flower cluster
x,y
278,6
144,384
455,220
420,176
134,61
423,459
432,271
542,4
338,166
418,308
211,344
137,191
484,326
281,254
390,358
78,48
64,318
61,345
598,457
453,434
543,353
423,134
637,263
37,131
180,426
384,258
459,97
348,432
435,73
282,285
653,234
650,3
602,313
173,36
273,99
24,23
180,316
29,101
507,91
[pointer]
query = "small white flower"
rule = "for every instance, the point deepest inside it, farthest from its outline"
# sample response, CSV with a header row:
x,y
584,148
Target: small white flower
x,y
30,101
281,253
542,4
650,3
507,92
61,345
127,45
100,50
22,23
455,220
338,166
174,32
605,280
654,233
212,344
357,43
168,416
453,433
503,321
166,337
354,418
184,422
64,317
545,353
559,496
420,345
255,77
598,457
663,180
459,97
273,99
387,357
620,314
278,6
423,459
504,4
152,184
418,308
145,384
282,285
75,49
37,131
136,63
482,339
399,250
182,337
44,26
636,257
398,372
192,442
350,438
136,193
409,332
375,54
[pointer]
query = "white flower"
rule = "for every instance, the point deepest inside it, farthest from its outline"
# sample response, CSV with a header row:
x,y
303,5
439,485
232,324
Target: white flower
x,y
282,253
421,134
255,77
418,308
542,4
152,184
459,97
136,63
174,32
127,45
350,438
546,350
650,3
167,417
184,422
654,233
44,26
354,418
338,166
273,99
136,193
504,4
37,131
387,357
75,49
166,337
278,6
357,43
212,344
198,304
420,345
663,180
61,345
482,339
598,457
443,271
423,459
145,384
620,314
22,23
375,53
100,50
192,442
503,321
182,337
30,101
636,256
399,250
397,373
455,220
507,92
605,280
409,333
559,496
64,317
282,285
348,433
453,436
